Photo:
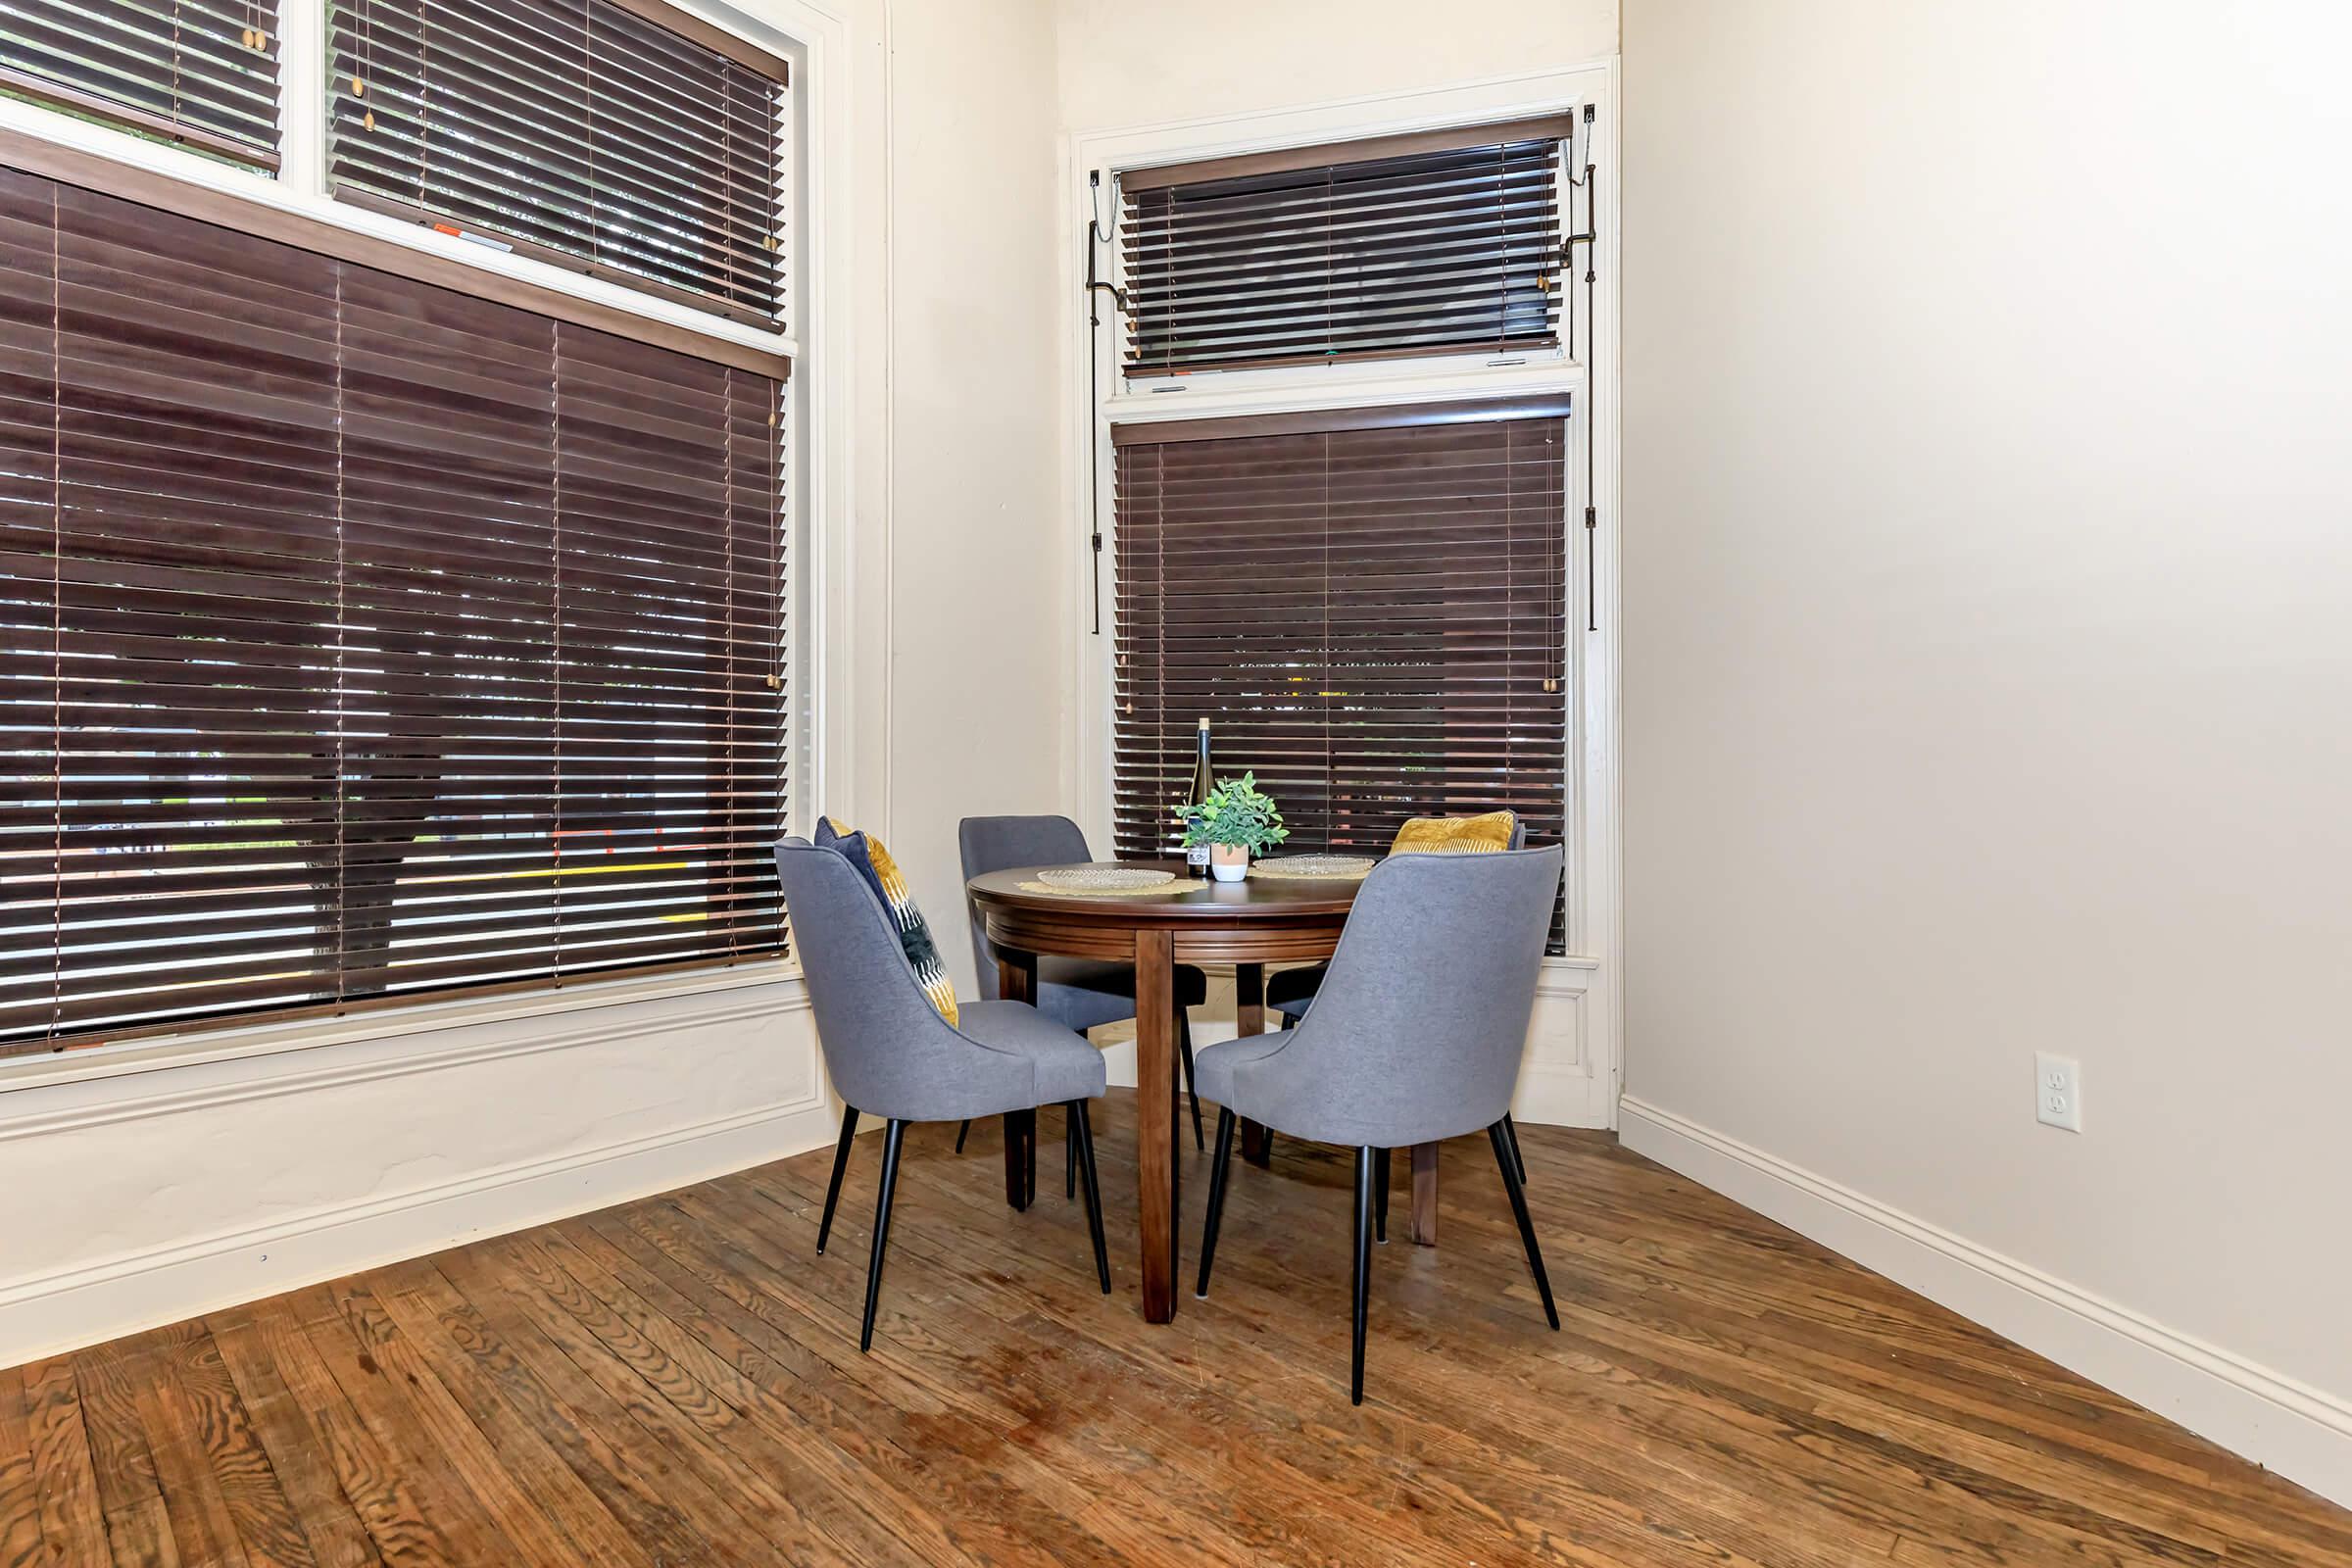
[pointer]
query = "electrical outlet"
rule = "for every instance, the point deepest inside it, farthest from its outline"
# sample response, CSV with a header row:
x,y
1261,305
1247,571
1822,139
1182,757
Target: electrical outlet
x,y
2058,1091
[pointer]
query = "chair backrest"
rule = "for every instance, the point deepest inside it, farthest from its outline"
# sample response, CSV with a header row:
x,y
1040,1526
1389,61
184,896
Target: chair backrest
x,y
1001,844
1417,1030
889,1052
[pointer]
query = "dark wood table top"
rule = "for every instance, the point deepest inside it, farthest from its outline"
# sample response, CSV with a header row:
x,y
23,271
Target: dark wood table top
x,y
1249,901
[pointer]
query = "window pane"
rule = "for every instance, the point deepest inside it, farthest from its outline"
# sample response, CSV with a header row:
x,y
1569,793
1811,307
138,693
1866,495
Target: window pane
x,y
1433,251
1373,620
202,72
358,637
574,130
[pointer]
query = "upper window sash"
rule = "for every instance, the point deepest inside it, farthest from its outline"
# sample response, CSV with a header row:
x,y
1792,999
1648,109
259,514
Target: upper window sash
x,y
576,131
1434,244
202,73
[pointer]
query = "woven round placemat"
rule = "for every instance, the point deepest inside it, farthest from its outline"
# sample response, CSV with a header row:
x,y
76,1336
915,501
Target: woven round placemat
x,y
1180,885
1316,868
1106,876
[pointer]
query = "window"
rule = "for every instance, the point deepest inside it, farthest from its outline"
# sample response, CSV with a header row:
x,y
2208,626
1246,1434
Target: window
x,y
574,130
1443,242
1368,607
202,72
359,637
1362,579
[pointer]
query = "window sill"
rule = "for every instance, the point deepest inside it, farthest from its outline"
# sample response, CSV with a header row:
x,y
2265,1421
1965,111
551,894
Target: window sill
x,y
232,1043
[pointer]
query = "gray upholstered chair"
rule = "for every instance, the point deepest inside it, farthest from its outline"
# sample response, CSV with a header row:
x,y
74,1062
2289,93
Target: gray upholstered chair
x,y
891,1055
1290,992
1415,1036
1080,993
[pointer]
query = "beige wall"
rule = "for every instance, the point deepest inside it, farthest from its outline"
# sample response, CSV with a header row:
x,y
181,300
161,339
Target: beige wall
x,y
1140,62
1989,627
979,660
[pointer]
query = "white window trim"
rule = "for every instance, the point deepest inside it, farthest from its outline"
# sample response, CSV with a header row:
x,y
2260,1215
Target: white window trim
x,y
820,45
1594,908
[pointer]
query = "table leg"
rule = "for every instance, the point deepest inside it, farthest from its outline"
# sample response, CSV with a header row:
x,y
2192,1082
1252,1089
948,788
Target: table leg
x,y
1016,976
1425,1195
1155,1120
1250,1019
1016,980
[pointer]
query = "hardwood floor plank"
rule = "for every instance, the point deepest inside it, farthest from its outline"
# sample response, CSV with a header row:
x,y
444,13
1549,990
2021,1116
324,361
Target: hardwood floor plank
x,y
337,1538
471,1462
634,1420
20,1535
963,1516
72,1526
376,1486
110,1412
407,1444
676,1381
504,1399
206,1405
202,1525
732,1423
977,1461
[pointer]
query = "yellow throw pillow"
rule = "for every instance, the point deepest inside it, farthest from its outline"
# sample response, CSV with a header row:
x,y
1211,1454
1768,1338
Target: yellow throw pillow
x,y
1455,835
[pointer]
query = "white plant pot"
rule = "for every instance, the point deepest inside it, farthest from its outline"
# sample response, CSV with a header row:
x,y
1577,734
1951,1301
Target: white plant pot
x,y
1228,862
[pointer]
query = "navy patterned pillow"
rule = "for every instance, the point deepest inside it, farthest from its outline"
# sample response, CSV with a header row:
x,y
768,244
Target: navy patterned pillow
x,y
873,862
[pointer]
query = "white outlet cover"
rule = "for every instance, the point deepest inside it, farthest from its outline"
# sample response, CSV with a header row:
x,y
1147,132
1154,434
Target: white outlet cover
x,y
2058,1091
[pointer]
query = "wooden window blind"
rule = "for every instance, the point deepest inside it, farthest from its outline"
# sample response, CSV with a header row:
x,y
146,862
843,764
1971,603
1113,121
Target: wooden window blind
x,y
1438,243
202,72
362,639
578,131
1369,606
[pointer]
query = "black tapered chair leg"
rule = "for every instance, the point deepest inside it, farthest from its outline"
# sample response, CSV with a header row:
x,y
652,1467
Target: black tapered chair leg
x,y
1510,1130
1527,1227
841,1162
1379,1196
1363,1268
1070,1157
961,1133
1020,1158
1082,1141
1192,1091
891,1141
1216,1197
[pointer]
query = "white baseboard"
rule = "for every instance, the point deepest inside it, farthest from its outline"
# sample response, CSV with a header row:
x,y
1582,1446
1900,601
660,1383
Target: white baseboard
x,y
48,1314
2298,1430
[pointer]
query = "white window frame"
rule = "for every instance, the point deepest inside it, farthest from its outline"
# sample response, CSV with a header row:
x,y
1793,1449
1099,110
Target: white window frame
x,y
818,43
1593,907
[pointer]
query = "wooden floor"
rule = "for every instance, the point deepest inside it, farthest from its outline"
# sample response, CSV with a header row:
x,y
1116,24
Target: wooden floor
x,y
677,1382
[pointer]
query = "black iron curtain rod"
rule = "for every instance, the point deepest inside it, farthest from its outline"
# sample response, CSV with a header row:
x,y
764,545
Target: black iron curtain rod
x,y
1096,234
1590,238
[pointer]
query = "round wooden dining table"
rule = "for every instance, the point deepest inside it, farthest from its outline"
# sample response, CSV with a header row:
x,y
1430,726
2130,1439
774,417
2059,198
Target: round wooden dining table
x,y
1248,924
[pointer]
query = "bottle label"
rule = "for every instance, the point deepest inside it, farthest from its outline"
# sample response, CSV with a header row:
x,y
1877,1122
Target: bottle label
x,y
1196,854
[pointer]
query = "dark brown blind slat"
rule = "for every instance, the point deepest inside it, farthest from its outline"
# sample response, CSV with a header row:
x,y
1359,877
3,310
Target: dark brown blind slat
x,y
202,72
1423,251
360,638
1373,619
575,129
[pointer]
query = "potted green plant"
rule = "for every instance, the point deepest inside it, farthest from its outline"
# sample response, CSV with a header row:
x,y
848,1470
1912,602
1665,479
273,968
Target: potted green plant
x,y
1236,821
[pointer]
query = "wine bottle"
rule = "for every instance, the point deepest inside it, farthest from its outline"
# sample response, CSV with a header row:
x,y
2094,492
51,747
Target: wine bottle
x,y
1195,856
